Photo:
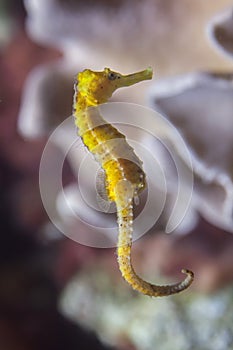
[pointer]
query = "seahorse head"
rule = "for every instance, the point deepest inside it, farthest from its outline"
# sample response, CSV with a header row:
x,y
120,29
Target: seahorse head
x,y
98,87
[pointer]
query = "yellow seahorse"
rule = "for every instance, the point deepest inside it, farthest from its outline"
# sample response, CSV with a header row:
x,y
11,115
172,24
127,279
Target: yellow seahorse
x,y
124,176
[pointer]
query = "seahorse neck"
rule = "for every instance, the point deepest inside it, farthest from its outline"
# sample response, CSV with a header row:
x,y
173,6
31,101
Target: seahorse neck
x,y
82,104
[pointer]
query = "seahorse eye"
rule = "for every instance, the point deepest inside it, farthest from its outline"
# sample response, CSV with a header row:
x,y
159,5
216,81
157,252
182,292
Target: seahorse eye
x,y
112,76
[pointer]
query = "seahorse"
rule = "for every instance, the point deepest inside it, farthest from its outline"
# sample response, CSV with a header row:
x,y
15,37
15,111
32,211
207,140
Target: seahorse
x,y
124,176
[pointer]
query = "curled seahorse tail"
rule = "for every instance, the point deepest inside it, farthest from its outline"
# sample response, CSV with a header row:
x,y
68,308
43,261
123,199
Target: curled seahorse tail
x,y
125,223
174,288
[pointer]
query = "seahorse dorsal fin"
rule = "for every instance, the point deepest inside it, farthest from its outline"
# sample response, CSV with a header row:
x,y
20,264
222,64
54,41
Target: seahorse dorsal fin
x,y
103,201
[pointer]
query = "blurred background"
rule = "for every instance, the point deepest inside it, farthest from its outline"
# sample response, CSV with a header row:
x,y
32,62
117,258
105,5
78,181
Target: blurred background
x,y
56,293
